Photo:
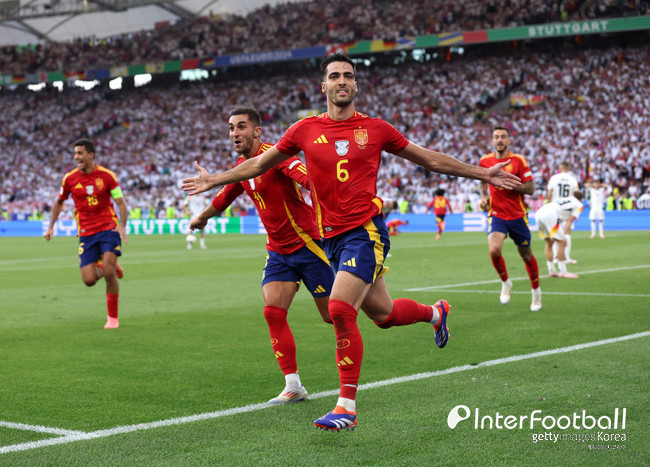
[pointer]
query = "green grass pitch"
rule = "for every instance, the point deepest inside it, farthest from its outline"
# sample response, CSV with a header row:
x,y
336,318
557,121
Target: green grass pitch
x,y
193,341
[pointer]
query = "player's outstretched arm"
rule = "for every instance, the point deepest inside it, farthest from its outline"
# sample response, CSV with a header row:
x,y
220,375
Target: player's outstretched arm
x,y
56,210
200,221
442,163
250,168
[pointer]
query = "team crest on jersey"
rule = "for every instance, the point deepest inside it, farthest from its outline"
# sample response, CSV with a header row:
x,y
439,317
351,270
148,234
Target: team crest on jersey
x,y
508,168
90,189
361,137
99,183
342,147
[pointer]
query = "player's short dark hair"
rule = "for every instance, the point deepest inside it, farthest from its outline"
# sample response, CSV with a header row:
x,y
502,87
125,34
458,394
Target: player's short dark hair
x,y
578,195
336,57
501,128
253,115
440,192
86,143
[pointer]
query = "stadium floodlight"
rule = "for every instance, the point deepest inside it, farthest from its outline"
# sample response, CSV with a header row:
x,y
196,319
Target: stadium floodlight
x,y
116,83
86,85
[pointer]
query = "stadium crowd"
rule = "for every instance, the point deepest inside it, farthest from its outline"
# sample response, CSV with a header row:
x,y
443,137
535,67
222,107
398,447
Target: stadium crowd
x,y
592,109
302,24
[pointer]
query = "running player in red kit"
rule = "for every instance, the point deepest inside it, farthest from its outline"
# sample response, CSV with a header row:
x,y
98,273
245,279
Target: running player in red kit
x,y
343,150
508,216
293,242
440,205
93,189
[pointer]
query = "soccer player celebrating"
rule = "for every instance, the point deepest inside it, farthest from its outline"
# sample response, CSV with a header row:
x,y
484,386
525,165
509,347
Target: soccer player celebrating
x,y
294,246
507,215
93,189
343,150
440,205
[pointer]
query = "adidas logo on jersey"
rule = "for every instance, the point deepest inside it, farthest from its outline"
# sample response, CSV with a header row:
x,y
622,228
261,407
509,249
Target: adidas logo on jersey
x,y
351,262
321,140
319,289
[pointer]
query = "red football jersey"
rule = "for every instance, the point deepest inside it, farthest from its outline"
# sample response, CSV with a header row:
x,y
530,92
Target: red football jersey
x,y
288,219
440,205
508,204
342,159
93,203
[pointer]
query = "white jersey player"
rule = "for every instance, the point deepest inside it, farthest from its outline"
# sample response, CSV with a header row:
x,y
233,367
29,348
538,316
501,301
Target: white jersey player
x,y
554,221
560,187
596,192
194,206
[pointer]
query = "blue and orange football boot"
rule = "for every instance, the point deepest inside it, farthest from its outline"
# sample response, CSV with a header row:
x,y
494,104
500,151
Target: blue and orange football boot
x,y
441,329
337,420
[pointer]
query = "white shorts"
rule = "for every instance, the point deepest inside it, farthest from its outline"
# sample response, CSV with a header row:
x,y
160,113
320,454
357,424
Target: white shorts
x,y
596,214
548,225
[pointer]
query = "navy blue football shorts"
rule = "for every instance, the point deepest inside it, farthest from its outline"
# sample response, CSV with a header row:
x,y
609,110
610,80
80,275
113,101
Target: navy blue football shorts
x,y
308,264
517,229
92,247
361,251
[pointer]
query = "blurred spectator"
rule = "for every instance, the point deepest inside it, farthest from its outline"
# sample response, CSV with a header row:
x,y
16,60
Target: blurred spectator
x,y
593,111
300,24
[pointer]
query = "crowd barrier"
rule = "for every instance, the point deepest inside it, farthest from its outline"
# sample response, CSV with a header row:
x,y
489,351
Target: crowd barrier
x,y
465,222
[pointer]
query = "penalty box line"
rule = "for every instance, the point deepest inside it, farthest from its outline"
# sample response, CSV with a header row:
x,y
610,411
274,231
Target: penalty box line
x,y
71,436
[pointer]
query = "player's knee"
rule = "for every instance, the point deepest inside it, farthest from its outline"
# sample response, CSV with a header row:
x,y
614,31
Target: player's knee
x,y
341,311
89,282
274,314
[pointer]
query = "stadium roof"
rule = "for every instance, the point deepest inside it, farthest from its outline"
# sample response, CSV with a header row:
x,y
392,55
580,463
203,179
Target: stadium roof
x,y
36,21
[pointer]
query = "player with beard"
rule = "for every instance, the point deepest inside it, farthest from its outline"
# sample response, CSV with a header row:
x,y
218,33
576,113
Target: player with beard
x,y
507,215
293,243
343,151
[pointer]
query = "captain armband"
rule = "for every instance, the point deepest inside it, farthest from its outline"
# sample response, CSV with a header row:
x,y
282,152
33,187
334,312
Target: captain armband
x,y
117,193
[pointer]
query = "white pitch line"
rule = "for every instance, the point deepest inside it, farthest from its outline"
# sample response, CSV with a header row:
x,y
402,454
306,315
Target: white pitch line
x,y
496,281
255,407
523,292
39,428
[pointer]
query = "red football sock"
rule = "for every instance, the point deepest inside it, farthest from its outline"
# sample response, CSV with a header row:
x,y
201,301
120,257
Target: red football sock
x,y
407,311
349,346
533,272
500,265
111,304
284,346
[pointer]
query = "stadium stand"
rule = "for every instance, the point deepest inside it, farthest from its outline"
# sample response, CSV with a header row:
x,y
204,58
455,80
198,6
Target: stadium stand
x,y
582,101
592,110
294,25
